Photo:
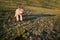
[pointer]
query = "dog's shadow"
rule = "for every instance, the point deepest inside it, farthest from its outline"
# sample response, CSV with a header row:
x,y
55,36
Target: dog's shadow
x,y
35,16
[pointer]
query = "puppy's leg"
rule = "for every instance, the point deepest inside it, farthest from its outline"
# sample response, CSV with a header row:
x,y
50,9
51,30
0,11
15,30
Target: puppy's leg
x,y
21,18
17,18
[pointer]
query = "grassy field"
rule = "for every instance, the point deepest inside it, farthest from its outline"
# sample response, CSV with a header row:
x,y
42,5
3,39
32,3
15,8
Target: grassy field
x,y
39,24
41,21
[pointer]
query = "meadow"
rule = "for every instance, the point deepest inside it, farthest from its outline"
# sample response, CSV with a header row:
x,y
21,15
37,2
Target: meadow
x,y
40,23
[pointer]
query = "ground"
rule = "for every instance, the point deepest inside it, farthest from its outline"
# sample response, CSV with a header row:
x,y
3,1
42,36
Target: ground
x,y
39,24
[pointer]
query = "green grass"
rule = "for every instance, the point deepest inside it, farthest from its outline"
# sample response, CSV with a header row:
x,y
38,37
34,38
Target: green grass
x,y
34,24
39,22
51,4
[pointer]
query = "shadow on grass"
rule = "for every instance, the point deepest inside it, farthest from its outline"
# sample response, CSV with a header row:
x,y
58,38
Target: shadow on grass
x,y
35,16
26,17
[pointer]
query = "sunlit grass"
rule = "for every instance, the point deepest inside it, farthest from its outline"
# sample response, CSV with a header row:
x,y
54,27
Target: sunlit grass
x,y
40,21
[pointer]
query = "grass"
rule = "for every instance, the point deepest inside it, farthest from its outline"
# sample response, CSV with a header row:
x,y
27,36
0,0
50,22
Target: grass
x,y
41,21
34,25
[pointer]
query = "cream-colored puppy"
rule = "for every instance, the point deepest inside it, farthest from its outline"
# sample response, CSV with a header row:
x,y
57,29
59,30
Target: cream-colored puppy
x,y
18,14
